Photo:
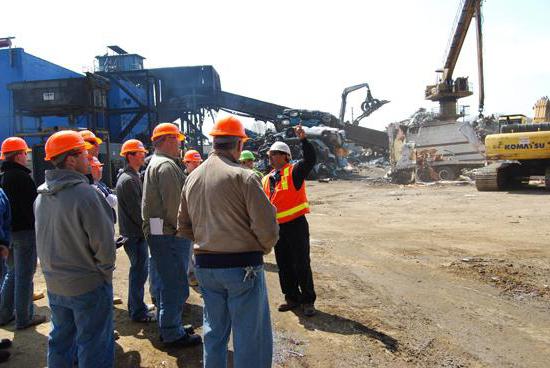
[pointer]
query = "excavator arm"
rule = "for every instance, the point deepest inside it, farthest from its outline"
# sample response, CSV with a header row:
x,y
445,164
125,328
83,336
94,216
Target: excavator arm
x,y
368,106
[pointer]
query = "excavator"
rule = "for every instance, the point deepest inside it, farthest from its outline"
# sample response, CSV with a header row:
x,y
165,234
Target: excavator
x,y
432,146
519,151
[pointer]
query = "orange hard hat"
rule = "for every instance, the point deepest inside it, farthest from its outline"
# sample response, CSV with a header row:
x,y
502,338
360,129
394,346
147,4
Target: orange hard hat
x,y
64,141
94,162
192,156
13,144
90,137
167,129
132,145
228,126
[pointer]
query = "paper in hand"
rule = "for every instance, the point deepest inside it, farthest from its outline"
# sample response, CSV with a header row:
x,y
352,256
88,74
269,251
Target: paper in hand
x,y
155,224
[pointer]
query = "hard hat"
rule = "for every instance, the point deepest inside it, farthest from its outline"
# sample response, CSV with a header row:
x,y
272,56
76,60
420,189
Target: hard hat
x,y
13,144
192,156
167,129
246,155
90,137
132,145
94,162
280,146
228,126
64,141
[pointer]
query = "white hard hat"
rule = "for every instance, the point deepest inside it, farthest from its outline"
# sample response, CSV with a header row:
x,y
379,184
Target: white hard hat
x,y
280,146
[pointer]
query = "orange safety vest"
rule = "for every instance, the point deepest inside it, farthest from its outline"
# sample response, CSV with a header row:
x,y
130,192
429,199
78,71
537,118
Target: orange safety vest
x,y
289,202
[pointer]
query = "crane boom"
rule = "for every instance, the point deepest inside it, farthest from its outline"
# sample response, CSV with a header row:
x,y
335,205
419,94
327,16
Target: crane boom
x,y
459,35
447,90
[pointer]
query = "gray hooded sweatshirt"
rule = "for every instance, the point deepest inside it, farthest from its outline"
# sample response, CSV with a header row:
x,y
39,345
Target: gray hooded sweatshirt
x,y
74,234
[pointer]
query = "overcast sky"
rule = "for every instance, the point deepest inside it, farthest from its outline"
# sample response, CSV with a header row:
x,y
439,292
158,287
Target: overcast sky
x,y
303,53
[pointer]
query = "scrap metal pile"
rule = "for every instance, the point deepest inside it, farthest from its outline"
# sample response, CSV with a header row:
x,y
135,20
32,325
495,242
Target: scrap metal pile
x,y
339,154
425,148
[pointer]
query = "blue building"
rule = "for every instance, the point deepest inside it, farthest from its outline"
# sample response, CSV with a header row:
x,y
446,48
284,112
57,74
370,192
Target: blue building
x,y
16,65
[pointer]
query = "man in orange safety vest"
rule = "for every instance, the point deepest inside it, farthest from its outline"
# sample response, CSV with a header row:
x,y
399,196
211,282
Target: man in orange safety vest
x,y
286,189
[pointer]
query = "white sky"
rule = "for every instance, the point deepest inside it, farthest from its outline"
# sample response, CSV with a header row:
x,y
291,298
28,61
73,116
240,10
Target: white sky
x,y
303,53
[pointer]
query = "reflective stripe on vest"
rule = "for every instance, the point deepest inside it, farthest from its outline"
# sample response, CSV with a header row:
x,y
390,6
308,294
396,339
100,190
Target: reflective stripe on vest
x,y
289,202
284,178
293,210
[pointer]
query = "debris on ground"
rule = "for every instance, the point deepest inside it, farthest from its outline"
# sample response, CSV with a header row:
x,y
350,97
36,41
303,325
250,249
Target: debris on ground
x,y
287,346
514,279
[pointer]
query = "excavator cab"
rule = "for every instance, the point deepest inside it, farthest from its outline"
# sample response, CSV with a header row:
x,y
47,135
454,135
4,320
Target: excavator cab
x,y
512,119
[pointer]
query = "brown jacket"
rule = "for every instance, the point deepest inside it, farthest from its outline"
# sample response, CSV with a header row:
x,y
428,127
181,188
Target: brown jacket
x,y
164,178
224,210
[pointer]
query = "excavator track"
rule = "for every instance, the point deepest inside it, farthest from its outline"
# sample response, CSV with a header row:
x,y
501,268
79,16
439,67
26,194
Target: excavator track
x,y
493,178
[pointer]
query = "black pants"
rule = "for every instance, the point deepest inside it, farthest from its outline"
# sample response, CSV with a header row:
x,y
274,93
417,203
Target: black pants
x,y
292,255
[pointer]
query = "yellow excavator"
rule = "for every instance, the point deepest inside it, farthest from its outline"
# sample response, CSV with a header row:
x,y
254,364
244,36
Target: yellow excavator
x,y
519,151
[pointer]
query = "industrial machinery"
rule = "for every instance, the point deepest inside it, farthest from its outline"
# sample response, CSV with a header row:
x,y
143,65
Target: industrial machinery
x,y
122,99
432,146
368,106
521,150
372,139
448,90
331,137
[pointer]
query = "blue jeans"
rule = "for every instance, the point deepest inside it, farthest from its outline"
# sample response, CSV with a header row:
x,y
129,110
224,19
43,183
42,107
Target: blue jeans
x,y
3,270
154,284
82,327
235,300
170,256
191,261
138,254
18,287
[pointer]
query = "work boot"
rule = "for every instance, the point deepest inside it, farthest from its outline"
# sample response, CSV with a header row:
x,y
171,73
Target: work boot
x,y
4,356
309,310
149,317
289,304
35,320
5,343
189,329
185,341
8,321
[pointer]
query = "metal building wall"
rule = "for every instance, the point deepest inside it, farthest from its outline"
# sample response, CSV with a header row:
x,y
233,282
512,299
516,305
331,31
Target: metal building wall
x,y
17,65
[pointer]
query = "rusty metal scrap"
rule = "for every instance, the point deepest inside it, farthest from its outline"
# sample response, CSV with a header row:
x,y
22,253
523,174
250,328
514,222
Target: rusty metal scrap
x,y
424,148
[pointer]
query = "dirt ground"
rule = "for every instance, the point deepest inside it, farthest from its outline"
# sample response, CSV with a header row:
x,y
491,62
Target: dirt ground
x,y
414,276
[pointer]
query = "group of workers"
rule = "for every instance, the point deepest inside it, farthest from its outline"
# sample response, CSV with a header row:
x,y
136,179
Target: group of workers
x,y
182,221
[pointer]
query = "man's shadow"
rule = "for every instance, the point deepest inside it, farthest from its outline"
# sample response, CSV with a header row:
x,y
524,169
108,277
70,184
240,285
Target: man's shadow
x,y
335,324
186,357
29,347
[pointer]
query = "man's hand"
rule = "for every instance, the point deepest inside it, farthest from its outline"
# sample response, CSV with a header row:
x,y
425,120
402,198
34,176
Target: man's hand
x,y
300,133
4,251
